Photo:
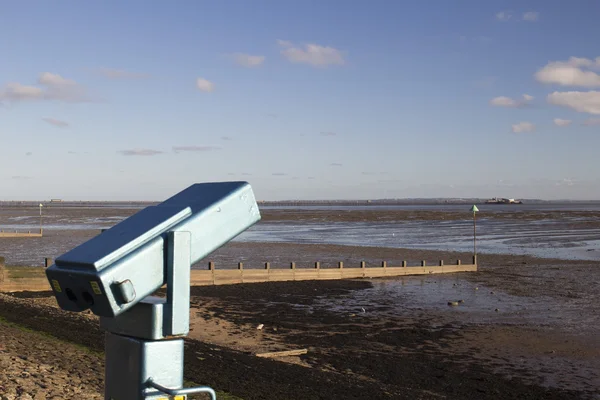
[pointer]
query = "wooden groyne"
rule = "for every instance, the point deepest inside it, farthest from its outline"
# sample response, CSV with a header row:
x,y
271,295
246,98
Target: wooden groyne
x,y
214,276
17,234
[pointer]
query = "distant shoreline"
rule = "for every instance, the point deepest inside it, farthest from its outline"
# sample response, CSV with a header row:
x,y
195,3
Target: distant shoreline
x,y
381,202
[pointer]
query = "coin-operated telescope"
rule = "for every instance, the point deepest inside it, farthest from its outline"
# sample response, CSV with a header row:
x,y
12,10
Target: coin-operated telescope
x,y
115,274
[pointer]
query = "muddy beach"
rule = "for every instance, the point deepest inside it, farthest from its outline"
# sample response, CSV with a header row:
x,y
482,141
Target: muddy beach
x,y
524,327
395,339
567,233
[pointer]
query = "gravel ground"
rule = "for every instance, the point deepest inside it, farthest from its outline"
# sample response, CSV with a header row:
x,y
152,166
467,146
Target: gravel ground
x,y
35,366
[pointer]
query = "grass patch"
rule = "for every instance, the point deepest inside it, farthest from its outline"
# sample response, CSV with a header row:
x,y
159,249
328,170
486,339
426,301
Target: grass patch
x,y
13,272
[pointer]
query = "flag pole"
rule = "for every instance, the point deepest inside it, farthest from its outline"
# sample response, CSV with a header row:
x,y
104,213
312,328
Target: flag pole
x,y
474,209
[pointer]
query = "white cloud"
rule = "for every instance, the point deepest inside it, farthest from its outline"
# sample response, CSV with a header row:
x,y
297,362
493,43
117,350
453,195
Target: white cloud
x,y
562,122
531,16
565,182
179,149
112,73
140,152
522,127
591,122
503,16
16,92
56,122
50,79
247,60
503,101
312,54
53,87
588,102
205,85
571,72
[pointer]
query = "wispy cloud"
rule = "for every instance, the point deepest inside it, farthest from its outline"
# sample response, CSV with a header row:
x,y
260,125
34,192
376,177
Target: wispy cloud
x,y
504,16
180,149
562,122
311,177
71,152
328,134
56,122
226,138
51,87
311,54
522,127
575,71
29,153
279,174
247,60
566,182
112,73
531,16
503,101
367,173
335,164
246,174
591,122
140,152
205,85
21,177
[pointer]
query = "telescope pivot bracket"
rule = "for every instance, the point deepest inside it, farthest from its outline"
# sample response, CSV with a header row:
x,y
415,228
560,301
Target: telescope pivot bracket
x,y
144,345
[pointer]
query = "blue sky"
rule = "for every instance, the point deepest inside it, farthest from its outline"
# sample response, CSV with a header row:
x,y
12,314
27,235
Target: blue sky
x,y
303,99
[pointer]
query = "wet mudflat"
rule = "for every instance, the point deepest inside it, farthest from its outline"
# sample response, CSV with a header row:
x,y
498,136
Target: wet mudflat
x,y
566,232
527,327
383,338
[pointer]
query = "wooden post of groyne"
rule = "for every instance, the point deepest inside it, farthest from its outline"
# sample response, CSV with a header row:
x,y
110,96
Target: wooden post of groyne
x,y
2,269
47,262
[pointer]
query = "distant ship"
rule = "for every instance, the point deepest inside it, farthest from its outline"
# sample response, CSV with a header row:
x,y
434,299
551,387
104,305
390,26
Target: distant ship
x,y
497,200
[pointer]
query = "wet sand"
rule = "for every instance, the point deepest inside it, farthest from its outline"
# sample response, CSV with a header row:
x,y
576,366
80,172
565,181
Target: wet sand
x,y
542,343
